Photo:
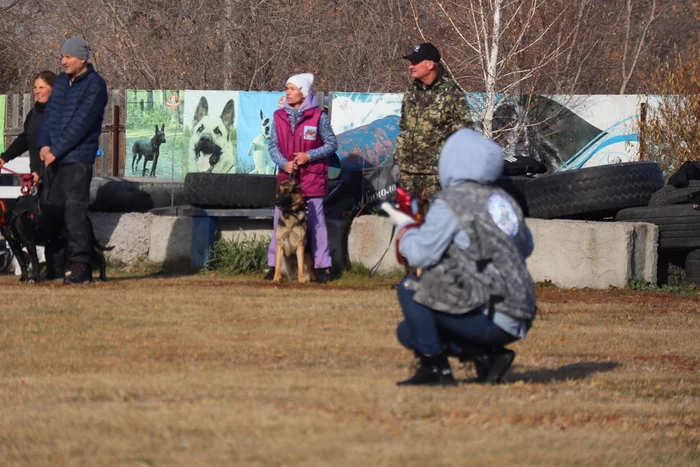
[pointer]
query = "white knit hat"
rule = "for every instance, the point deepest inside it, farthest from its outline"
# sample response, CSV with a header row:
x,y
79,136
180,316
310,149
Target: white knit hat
x,y
303,81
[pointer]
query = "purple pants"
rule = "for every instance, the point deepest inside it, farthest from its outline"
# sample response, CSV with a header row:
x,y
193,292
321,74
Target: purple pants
x,y
318,234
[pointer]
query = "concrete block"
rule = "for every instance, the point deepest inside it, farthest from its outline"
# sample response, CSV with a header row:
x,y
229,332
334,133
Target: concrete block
x,y
170,240
129,233
592,254
371,243
567,253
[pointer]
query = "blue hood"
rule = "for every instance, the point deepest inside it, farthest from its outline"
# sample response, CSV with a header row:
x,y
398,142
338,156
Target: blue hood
x,y
468,156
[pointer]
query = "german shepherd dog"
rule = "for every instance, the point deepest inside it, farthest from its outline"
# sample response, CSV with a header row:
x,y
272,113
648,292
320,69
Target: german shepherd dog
x,y
24,226
290,233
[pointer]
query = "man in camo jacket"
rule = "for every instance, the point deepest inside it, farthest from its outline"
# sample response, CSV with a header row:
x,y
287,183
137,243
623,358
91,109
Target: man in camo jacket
x,y
433,108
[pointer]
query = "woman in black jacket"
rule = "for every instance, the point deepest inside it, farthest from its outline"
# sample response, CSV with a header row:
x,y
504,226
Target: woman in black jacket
x,y
27,140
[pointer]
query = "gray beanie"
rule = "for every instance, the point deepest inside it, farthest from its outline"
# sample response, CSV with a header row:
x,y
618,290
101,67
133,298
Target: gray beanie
x,y
76,47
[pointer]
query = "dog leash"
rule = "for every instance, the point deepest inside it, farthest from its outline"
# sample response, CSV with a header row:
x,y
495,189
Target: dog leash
x,y
27,181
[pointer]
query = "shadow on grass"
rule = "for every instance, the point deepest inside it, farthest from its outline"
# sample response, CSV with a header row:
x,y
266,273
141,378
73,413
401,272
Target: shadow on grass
x,y
573,371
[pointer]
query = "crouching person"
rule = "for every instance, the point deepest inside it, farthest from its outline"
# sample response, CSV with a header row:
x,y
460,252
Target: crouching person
x,y
475,294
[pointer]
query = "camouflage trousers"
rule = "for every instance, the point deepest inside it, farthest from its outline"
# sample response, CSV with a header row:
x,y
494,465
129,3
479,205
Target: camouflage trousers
x,y
413,181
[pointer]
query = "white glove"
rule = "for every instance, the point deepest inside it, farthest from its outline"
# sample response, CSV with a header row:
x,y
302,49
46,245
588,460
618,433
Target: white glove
x,y
397,217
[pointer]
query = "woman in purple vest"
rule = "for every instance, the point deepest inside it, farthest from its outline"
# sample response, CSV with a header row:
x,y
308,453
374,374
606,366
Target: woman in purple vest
x,y
301,140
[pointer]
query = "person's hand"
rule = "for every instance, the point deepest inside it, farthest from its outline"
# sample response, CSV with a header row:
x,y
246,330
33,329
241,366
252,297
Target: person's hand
x,y
48,159
43,151
2,162
290,167
301,158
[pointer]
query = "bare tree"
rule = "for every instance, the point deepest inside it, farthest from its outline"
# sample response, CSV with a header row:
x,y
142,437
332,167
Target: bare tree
x,y
516,45
634,44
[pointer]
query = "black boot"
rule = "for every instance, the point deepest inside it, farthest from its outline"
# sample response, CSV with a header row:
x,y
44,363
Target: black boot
x,y
480,358
80,273
270,274
490,363
500,359
431,371
322,275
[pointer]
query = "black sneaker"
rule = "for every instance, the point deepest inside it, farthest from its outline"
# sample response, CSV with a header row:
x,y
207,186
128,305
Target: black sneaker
x,y
431,371
80,273
270,274
322,276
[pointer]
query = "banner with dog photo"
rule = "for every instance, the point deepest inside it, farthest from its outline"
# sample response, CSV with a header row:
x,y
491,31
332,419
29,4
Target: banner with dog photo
x,y
253,130
209,132
154,133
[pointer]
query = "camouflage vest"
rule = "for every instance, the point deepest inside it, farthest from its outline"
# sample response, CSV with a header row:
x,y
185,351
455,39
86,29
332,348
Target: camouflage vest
x,y
429,114
492,270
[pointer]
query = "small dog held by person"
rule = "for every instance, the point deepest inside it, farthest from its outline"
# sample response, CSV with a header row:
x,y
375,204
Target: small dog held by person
x,y
292,257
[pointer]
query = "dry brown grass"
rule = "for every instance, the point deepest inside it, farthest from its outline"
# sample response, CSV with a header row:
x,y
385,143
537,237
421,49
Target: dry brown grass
x,y
204,370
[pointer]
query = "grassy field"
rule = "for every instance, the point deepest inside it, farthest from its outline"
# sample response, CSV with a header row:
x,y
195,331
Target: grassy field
x,y
211,370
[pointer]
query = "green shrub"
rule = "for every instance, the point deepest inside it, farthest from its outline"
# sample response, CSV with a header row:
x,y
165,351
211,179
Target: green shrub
x,y
244,254
640,284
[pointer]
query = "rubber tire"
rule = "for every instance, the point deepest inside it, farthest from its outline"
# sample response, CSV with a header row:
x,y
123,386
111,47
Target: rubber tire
x,y
672,195
118,194
679,224
593,192
515,187
209,190
692,267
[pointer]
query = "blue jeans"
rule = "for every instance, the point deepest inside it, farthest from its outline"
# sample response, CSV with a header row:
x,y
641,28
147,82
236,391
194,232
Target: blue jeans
x,y
431,332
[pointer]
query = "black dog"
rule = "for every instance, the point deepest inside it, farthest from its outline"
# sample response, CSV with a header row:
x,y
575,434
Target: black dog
x,y
148,150
24,225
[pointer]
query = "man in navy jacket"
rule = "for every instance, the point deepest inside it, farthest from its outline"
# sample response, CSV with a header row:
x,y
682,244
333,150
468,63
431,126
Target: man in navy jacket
x,y
69,140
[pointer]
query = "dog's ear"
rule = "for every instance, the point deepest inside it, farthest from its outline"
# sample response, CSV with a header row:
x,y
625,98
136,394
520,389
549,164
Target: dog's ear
x,y
228,115
157,130
162,127
202,110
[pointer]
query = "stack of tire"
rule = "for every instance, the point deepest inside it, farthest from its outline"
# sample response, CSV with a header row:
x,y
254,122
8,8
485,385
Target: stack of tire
x,y
674,211
592,193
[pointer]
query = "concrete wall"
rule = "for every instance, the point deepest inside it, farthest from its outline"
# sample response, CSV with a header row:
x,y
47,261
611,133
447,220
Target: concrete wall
x,y
593,254
170,240
128,233
567,253
371,243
